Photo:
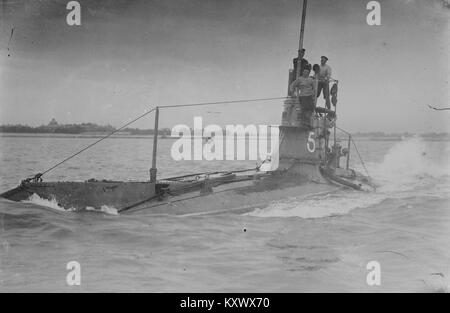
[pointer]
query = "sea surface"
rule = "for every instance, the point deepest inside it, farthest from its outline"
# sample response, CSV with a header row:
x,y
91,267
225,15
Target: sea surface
x,y
305,244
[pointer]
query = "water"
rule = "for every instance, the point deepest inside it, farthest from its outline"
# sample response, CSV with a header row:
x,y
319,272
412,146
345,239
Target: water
x,y
315,243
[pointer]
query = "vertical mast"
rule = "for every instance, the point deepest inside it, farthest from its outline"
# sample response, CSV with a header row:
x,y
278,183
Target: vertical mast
x,y
155,148
300,43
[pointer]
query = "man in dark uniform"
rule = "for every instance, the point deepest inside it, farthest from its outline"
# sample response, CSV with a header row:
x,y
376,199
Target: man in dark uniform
x,y
293,75
305,64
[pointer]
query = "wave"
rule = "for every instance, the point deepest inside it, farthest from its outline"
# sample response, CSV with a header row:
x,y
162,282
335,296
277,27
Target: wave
x,y
408,169
410,164
32,216
331,204
53,204
104,209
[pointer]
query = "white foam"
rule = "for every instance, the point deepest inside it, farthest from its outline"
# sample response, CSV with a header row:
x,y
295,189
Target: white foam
x,y
53,204
104,209
320,206
407,167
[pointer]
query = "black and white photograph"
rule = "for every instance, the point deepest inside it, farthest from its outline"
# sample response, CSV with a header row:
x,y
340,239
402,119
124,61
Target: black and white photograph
x,y
226,151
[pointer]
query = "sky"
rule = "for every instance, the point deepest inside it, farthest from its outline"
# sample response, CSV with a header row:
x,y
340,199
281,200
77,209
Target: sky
x,y
128,56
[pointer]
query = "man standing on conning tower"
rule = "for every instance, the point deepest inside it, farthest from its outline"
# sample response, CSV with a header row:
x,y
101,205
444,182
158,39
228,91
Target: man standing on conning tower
x,y
324,78
306,90
304,64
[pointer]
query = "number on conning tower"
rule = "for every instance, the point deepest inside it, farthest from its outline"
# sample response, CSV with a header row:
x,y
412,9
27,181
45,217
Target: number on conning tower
x,y
311,143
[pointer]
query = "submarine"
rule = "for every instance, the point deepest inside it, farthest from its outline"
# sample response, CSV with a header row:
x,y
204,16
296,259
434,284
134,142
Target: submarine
x,y
309,160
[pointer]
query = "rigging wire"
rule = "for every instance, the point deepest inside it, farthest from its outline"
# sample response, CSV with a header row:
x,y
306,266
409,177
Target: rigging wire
x,y
438,109
39,175
361,159
357,151
96,142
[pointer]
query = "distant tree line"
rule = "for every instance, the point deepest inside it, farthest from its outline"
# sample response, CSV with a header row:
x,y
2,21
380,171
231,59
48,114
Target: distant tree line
x,y
54,128
404,134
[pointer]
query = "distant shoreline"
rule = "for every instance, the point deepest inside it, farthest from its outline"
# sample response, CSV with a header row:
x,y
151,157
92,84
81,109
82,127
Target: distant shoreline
x,y
129,136
84,130
91,130
57,135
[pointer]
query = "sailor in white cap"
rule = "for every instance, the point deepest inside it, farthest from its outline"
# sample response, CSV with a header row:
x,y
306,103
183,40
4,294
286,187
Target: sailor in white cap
x,y
324,77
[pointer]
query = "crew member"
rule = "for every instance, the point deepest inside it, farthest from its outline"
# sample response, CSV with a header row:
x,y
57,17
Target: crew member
x,y
316,69
324,77
304,63
306,90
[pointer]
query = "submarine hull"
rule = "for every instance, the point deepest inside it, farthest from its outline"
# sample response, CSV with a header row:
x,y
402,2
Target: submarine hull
x,y
237,197
80,195
239,193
